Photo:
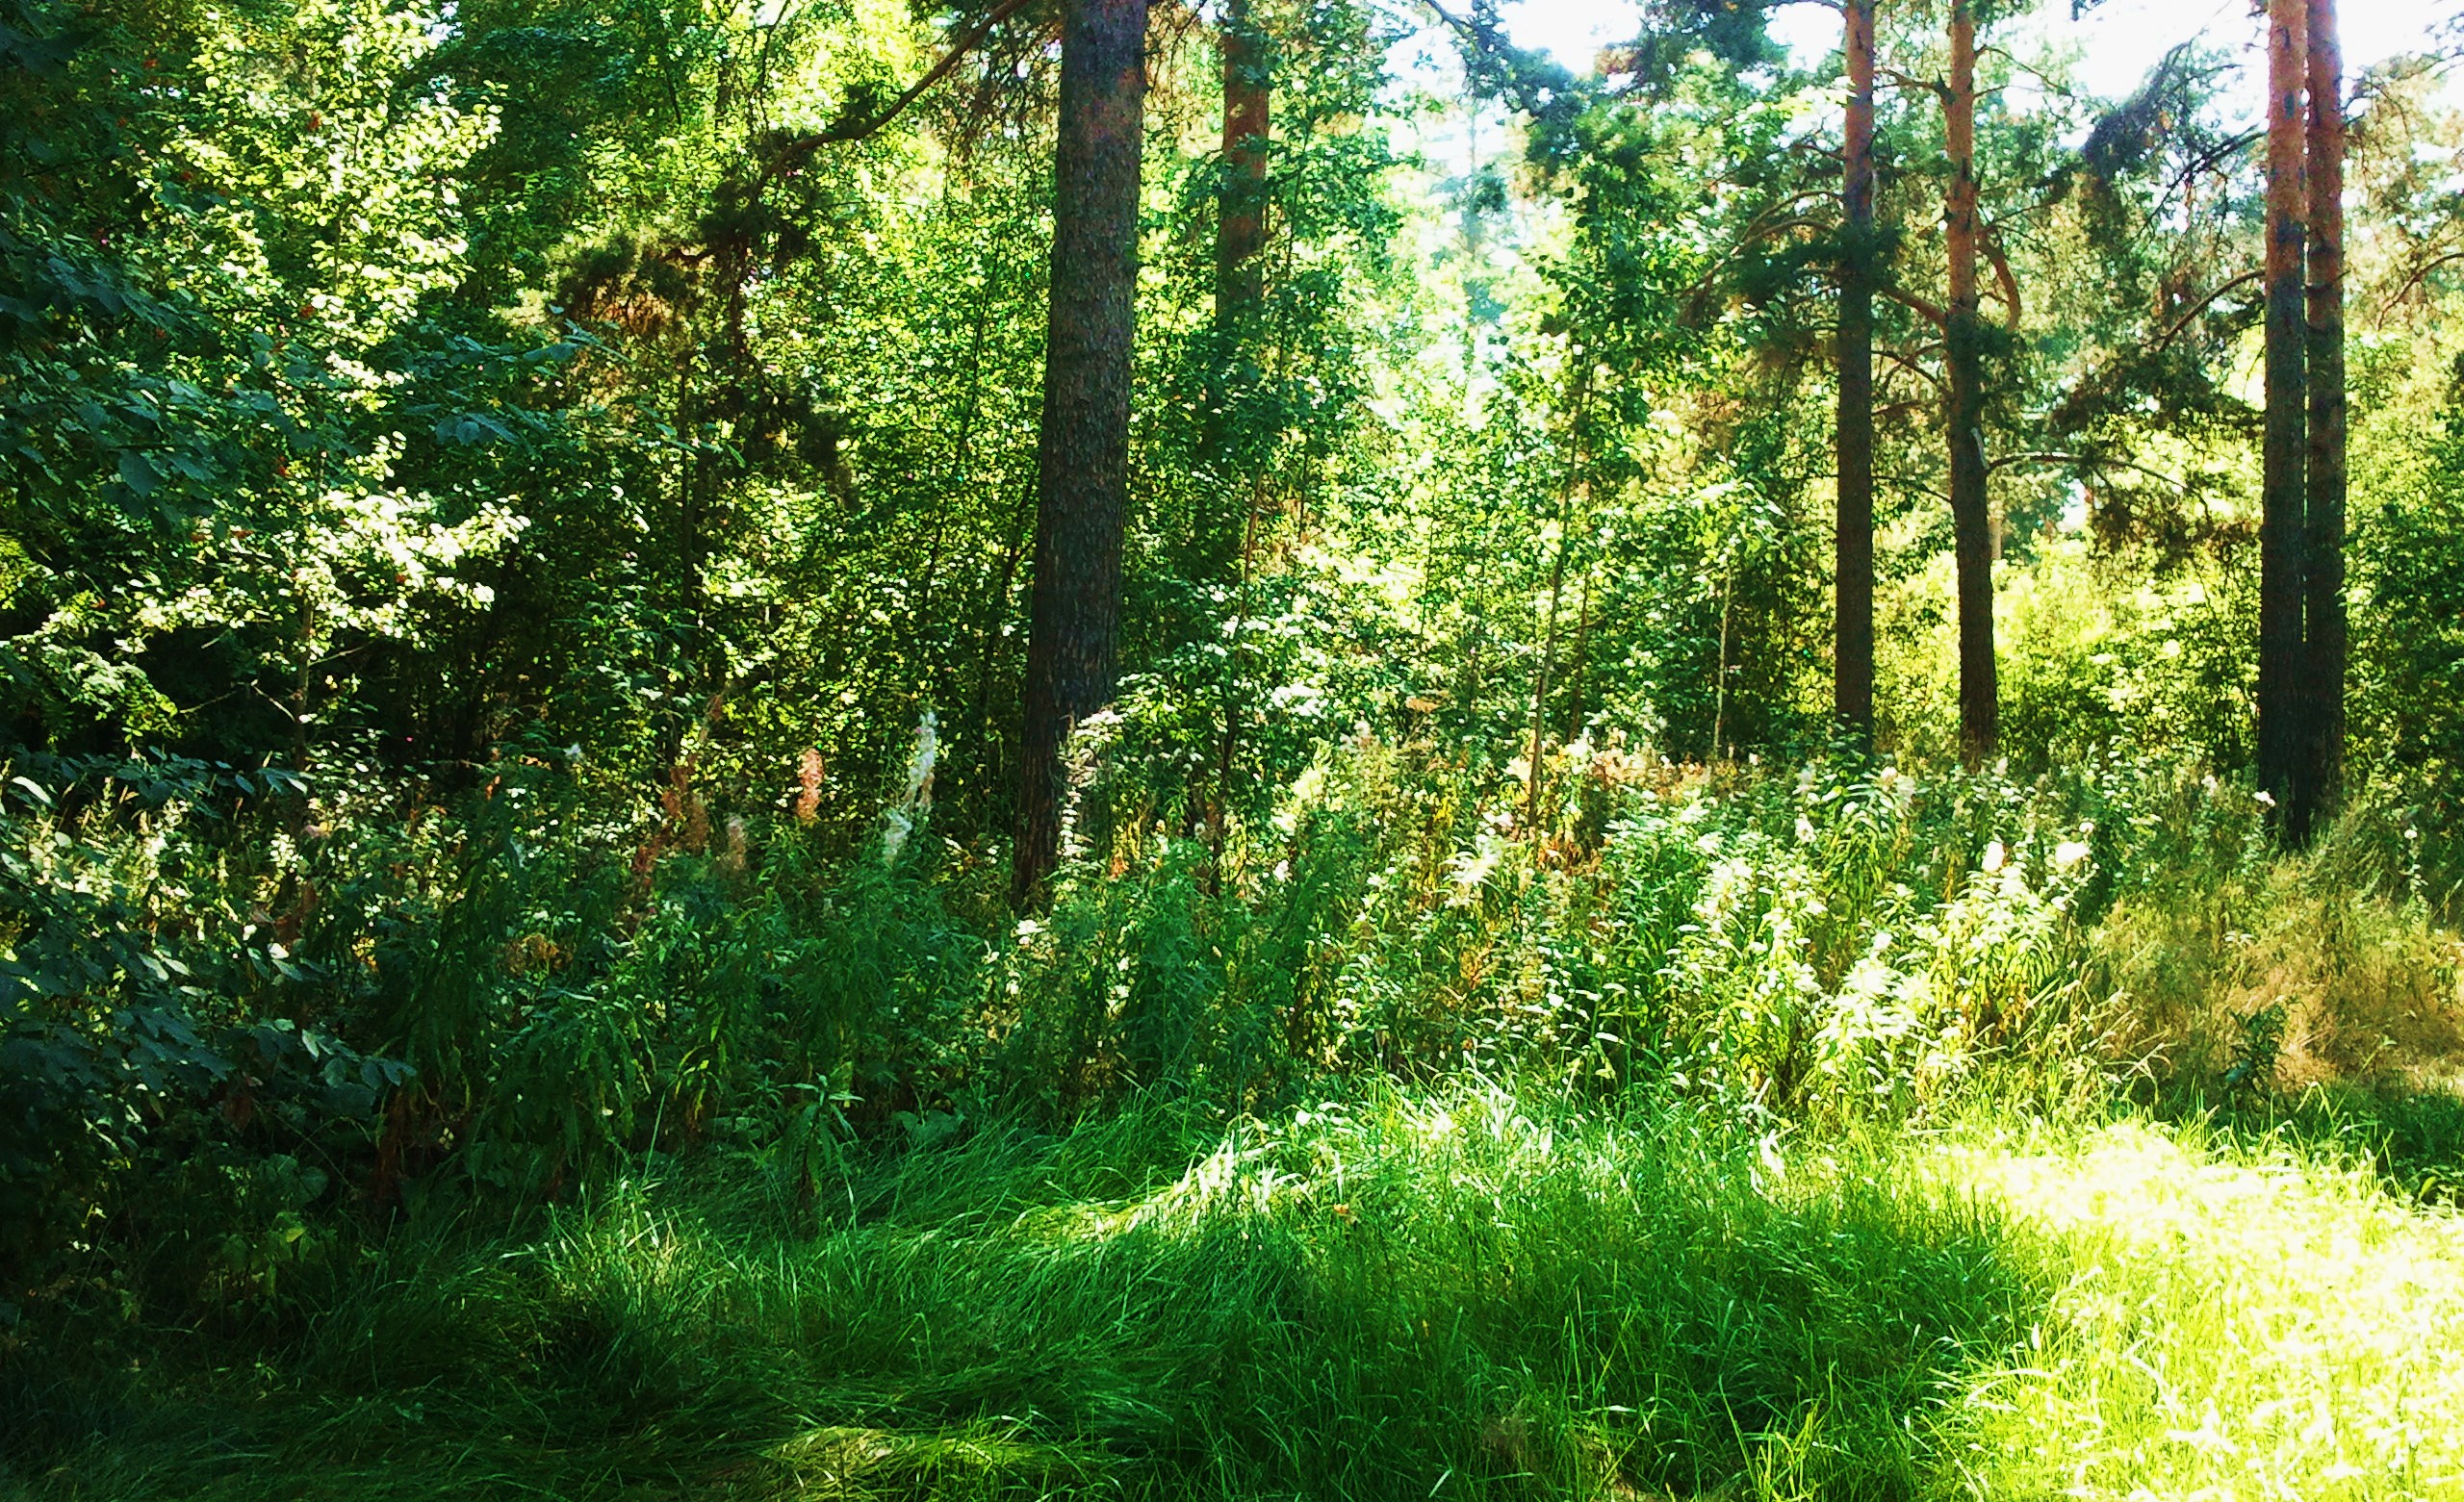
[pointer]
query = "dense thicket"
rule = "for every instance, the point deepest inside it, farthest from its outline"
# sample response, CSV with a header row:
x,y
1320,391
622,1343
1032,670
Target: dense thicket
x,y
550,551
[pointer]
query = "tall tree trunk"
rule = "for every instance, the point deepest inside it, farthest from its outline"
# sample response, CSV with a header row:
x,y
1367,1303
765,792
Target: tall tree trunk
x,y
1240,289
2325,710
2284,479
1853,634
1240,286
1082,496
1241,212
1963,355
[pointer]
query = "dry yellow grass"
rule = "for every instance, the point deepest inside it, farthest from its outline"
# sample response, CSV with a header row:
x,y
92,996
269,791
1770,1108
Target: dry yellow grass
x,y
2370,990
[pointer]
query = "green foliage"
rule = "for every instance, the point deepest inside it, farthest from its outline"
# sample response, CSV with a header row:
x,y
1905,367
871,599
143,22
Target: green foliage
x,y
1502,1291
1362,1298
515,528
2409,559
138,997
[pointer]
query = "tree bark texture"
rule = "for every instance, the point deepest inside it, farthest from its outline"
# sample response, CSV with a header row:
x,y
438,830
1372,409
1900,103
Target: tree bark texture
x,y
1853,589
2324,709
1240,290
1083,447
2284,479
1963,356
1219,530
1240,214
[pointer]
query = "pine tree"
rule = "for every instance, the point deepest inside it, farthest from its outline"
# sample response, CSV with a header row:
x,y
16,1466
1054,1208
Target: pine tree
x,y
2323,689
2283,481
1853,659
1083,446
1964,358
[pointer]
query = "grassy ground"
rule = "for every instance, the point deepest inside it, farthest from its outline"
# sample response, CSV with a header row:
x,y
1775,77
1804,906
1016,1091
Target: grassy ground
x,y
1460,1294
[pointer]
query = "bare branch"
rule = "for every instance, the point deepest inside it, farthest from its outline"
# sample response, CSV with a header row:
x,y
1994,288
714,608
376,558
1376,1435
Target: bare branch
x,y
1908,363
1911,83
2421,274
2089,462
1912,482
2002,277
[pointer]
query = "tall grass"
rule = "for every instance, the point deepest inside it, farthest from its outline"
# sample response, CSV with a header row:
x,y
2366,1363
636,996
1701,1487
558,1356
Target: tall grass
x,y
730,1171
1475,1292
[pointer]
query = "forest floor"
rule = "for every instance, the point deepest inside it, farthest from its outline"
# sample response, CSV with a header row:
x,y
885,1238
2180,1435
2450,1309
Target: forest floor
x,y
1463,1292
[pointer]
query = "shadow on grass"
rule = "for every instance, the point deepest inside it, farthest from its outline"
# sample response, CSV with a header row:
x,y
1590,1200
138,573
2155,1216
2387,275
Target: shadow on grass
x,y
1462,1298
2412,1139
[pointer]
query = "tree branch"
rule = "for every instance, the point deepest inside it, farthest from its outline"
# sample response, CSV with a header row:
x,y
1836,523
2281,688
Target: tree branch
x,y
2421,274
2089,462
2202,305
1913,84
1908,363
2003,279
1497,48
1931,312
844,132
2207,160
1913,483
1764,226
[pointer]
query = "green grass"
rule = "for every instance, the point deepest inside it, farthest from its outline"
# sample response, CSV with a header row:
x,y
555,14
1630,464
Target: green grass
x,y
1471,1292
2242,1320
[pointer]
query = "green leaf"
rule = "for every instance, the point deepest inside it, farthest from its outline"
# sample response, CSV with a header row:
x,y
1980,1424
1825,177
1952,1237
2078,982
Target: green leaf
x,y
137,473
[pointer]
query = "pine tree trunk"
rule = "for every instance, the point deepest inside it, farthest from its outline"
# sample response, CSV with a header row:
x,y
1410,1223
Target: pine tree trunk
x,y
2284,480
2324,712
1853,590
1083,450
1240,289
1963,345
1240,219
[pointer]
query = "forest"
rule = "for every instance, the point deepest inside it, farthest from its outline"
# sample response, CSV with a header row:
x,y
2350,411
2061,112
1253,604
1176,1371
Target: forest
x,y
1240,748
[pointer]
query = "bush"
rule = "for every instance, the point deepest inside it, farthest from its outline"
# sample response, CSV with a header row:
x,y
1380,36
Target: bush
x,y
154,1011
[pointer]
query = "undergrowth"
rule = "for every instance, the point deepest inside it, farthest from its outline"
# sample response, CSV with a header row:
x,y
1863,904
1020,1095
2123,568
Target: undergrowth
x,y
1474,1291
518,1148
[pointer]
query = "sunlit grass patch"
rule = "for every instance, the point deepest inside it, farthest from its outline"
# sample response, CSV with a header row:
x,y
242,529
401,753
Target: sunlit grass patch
x,y
981,1460
1474,1291
2235,1323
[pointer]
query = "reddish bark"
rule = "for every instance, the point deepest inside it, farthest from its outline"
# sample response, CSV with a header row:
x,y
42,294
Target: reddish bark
x,y
1853,589
1964,358
1241,217
2323,710
2284,479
